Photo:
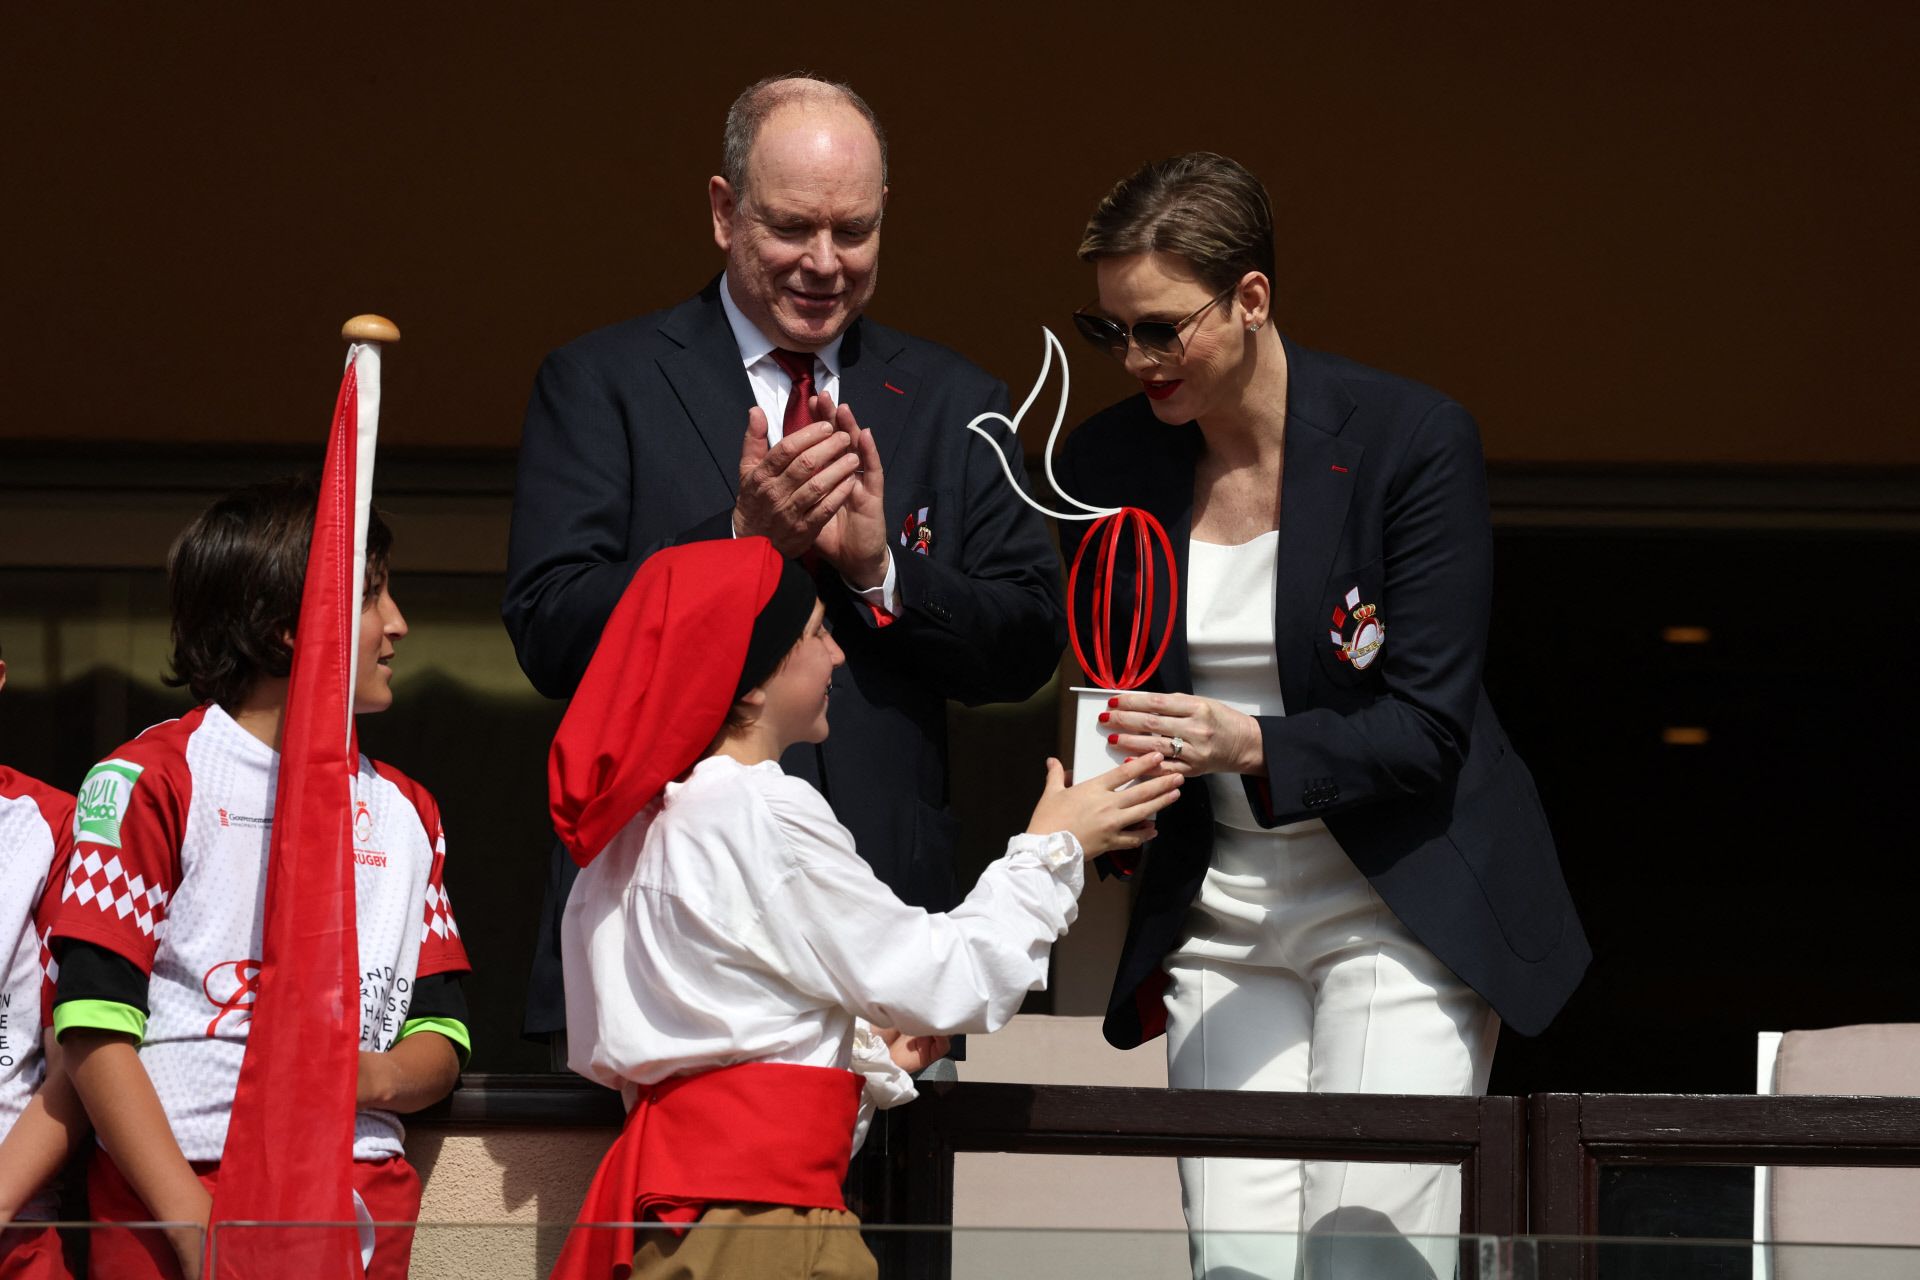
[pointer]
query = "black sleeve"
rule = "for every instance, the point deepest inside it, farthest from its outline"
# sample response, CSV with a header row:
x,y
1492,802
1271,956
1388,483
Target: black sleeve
x,y
438,995
91,972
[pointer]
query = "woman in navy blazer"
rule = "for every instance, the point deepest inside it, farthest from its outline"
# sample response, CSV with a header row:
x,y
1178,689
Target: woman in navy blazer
x,y
1366,885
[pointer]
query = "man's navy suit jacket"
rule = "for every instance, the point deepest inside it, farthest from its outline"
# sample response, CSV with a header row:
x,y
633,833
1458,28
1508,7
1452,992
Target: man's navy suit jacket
x,y
632,443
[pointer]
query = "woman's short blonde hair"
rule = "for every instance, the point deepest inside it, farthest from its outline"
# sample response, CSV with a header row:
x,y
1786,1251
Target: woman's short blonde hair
x,y
1201,206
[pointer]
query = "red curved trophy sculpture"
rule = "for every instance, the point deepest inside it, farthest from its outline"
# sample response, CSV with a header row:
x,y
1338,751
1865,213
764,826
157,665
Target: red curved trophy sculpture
x,y
1115,529
1105,535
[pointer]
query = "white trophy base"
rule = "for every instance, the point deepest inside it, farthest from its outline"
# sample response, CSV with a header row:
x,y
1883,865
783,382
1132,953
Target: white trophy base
x,y
1091,754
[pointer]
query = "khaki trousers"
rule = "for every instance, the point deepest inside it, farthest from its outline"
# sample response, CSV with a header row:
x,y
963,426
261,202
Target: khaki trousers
x,y
751,1241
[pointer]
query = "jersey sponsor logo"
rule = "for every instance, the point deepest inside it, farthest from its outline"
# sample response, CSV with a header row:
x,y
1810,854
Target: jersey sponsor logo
x,y
228,818
230,987
103,799
362,835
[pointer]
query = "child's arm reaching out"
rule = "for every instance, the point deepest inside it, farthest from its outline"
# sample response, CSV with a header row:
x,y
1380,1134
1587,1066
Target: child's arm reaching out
x,y
843,936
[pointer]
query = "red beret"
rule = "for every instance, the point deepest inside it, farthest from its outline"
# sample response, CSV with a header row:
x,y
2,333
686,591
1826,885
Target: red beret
x,y
659,687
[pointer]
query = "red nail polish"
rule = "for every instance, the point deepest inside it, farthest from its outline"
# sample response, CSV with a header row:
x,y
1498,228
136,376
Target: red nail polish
x,y
1129,759
1105,716
1113,739
1113,702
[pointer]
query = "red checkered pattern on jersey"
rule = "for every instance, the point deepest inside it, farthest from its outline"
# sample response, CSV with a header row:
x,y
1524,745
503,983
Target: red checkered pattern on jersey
x,y
106,884
439,913
49,967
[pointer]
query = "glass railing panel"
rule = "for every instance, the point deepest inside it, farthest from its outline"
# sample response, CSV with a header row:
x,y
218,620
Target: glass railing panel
x,y
83,1249
1542,1258
987,1253
527,1251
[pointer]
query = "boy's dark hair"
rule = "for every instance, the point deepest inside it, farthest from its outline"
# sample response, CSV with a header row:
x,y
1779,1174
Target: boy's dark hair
x,y
236,574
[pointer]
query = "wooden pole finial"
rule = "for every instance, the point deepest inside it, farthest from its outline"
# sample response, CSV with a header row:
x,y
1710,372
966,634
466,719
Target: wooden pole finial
x,y
370,328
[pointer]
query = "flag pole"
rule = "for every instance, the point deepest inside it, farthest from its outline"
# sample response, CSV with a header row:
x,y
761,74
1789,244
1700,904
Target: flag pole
x,y
287,1159
369,328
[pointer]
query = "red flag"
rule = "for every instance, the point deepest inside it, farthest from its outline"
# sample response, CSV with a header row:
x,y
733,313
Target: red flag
x,y
289,1149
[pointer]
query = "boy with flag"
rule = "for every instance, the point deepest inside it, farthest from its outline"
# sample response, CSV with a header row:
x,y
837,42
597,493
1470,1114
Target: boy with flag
x,y
40,1119
728,953
162,933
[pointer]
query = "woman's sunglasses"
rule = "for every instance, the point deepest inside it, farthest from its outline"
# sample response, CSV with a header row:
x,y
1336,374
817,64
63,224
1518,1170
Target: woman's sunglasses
x,y
1158,340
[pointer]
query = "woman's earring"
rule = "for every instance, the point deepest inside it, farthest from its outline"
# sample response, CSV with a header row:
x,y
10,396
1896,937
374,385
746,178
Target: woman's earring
x,y
1254,327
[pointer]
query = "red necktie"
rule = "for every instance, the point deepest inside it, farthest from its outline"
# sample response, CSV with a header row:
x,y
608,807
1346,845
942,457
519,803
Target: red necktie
x,y
799,367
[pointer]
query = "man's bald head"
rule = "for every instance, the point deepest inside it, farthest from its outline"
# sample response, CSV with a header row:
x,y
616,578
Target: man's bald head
x,y
797,210
763,98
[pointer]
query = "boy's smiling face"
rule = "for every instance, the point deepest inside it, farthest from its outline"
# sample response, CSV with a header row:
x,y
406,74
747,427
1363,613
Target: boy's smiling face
x,y
795,707
381,627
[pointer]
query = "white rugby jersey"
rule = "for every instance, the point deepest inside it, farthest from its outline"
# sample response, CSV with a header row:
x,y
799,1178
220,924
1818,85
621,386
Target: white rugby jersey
x,y
36,837
168,869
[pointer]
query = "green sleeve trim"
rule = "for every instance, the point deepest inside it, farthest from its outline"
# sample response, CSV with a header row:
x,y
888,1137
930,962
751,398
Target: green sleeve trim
x,y
448,1027
99,1015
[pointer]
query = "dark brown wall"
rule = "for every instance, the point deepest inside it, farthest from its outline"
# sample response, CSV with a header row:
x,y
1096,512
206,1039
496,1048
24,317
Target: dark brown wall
x,y
1617,232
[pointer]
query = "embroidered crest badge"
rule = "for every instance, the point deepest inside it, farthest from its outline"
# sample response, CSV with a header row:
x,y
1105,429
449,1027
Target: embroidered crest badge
x,y
1358,631
915,533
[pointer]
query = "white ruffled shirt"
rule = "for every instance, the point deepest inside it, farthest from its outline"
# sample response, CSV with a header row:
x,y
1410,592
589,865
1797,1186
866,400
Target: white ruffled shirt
x,y
732,921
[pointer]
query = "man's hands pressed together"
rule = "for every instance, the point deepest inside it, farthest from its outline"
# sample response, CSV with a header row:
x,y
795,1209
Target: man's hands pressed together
x,y
854,539
790,490
821,488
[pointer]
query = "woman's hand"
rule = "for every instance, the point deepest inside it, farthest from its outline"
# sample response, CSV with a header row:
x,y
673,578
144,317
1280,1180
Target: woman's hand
x,y
1197,735
1102,817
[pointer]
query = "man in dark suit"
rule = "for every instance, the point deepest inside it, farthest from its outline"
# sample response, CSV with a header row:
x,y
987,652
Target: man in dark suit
x,y
769,405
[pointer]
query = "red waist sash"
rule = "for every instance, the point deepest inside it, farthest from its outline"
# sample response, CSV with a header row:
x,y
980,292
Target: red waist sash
x,y
757,1133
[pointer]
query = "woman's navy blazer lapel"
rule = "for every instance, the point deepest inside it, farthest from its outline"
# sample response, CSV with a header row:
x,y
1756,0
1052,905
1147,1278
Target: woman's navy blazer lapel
x,y
1316,488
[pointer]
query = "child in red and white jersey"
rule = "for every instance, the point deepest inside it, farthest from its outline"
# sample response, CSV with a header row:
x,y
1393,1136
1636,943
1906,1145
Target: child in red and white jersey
x,y
40,1119
161,913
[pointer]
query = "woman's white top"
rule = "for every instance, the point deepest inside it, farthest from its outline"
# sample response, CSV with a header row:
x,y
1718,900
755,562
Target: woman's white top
x,y
1230,651
732,921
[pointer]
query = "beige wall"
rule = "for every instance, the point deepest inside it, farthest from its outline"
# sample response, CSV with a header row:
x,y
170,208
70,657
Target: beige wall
x,y
484,1192
1636,232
